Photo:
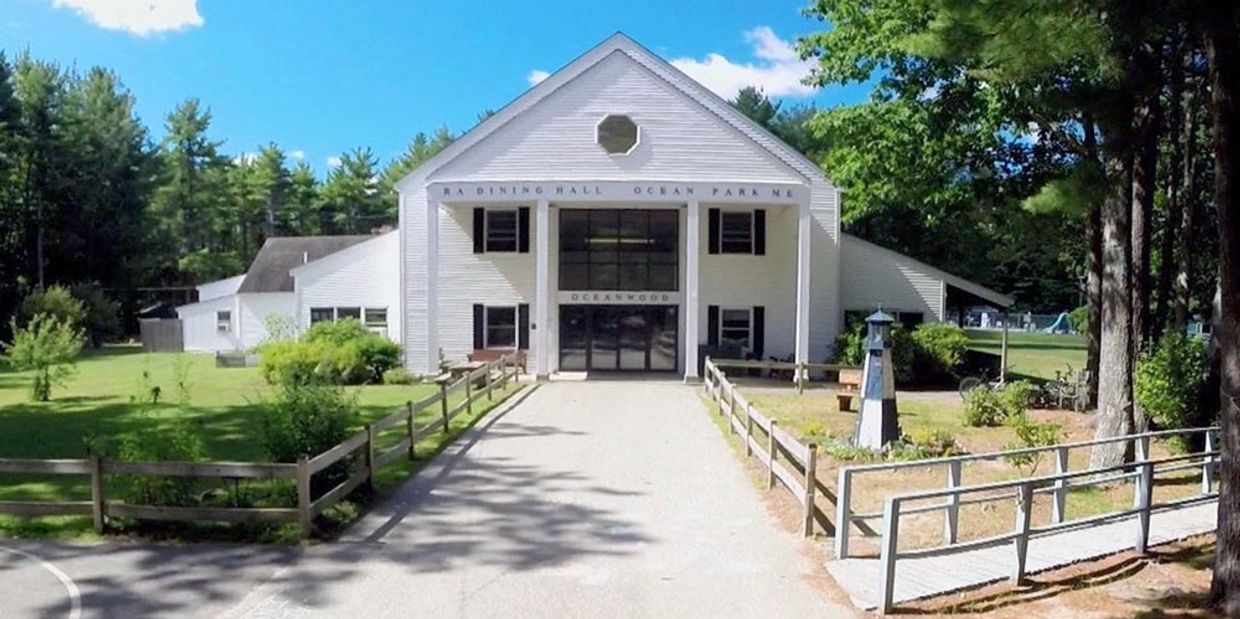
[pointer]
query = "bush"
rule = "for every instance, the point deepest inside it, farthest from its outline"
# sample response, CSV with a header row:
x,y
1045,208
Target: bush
x,y
339,353
939,351
336,332
305,420
1030,434
936,444
1079,319
984,407
49,347
1170,380
850,349
378,355
172,441
56,302
398,376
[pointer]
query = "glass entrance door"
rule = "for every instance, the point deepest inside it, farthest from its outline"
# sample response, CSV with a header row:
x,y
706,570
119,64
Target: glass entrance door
x,y
618,337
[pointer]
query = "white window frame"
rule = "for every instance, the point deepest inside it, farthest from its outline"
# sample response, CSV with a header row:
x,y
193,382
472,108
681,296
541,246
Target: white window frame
x,y
332,310
486,327
749,326
516,230
223,325
723,214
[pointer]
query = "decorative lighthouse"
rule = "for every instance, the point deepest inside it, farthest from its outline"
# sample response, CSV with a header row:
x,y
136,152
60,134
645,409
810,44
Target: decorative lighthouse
x,y
877,422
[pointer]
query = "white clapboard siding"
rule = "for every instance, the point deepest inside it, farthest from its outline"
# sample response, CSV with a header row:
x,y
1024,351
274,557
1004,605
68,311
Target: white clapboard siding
x,y
365,275
199,326
255,307
220,288
872,275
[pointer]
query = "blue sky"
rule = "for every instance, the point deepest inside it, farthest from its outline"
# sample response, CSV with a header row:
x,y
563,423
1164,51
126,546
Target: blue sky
x,y
322,77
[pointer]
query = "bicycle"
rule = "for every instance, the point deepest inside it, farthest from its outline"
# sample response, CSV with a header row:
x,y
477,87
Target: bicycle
x,y
981,381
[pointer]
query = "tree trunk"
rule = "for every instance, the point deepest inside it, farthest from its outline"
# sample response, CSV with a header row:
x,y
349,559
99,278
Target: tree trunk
x,y
1188,214
1144,179
1167,262
1093,277
1114,417
1224,53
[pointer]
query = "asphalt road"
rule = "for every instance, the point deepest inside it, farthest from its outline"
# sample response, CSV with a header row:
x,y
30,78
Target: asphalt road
x,y
588,499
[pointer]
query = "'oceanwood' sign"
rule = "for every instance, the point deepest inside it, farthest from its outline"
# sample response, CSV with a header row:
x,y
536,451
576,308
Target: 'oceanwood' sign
x,y
634,191
616,297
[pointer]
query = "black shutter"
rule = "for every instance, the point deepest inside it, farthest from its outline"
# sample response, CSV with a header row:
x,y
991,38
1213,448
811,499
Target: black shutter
x,y
523,326
523,230
758,332
479,327
759,232
712,216
480,231
712,325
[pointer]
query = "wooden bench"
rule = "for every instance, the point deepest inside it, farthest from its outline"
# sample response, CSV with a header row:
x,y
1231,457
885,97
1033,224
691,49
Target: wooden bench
x,y
850,386
487,355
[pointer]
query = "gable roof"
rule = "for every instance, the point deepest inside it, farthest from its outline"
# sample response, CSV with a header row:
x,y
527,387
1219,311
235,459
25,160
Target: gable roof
x,y
345,254
999,299
270,270
619,43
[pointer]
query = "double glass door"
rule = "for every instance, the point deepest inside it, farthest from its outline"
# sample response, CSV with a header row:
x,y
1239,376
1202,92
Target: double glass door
x,y
618,337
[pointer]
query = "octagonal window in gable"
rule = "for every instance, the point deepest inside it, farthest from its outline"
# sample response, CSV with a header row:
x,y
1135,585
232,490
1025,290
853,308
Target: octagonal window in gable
x,y
617,134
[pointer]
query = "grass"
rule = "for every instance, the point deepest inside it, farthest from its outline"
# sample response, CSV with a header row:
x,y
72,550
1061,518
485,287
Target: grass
x,y
97,405
815,416
1036,355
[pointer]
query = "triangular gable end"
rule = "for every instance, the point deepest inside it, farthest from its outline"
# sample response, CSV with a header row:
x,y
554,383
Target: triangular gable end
x,y
688,133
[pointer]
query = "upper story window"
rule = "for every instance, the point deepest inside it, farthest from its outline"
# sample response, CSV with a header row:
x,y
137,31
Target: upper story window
x,y
619,249
501,230
737,231
617,134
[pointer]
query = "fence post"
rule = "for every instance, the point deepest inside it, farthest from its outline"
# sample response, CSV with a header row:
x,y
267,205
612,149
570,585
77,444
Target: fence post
x,y
811,479
1059,504
801,372
97,509
951,515
304,521
370,458
469,394
1024,512
1207,465
843,515
443,404
731,408
409,427
1143,493
887,556
748,429
490,384
771,451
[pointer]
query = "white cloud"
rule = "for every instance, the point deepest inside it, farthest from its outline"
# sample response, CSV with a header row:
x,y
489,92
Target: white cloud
x,y
537,75
246,158
333,162
137,17
297,154
778,70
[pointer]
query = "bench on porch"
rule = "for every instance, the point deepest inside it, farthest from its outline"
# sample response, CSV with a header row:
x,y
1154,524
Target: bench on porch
x,y
850,386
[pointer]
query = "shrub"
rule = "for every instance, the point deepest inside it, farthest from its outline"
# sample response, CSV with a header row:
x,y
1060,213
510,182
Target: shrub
x,y
1079,319
398,376
48,346
305,420
1030,434
939,351
55,301
341,353
985,407
850,349
1170,379
336,332
378,355
173,440
936,444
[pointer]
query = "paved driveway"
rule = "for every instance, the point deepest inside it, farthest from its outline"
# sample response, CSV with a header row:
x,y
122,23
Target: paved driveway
x,y
586,499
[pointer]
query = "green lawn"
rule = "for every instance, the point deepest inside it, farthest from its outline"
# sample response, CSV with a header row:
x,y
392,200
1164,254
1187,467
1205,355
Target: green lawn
x,y
222,402
1036,355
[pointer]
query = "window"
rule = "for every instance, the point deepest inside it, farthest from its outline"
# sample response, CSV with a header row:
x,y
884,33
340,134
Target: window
x,y
376,318
501,230
501,327
617,134
349,312
322,314
223,321
734,328
619,249
736,232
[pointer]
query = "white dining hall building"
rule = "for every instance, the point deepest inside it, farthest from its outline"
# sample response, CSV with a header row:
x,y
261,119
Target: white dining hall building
x,y
620,216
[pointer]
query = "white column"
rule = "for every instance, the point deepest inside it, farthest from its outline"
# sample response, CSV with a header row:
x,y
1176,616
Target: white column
x,y
542,270
692,253
803,264
432,287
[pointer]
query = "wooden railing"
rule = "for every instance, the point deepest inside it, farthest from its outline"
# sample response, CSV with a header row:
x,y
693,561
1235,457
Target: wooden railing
x,y
743,419
494,375
800,371
1143,471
